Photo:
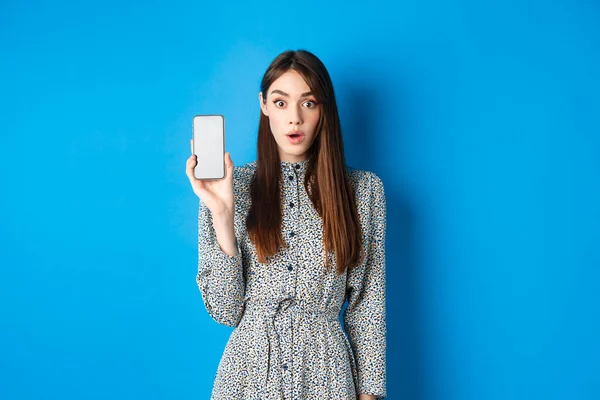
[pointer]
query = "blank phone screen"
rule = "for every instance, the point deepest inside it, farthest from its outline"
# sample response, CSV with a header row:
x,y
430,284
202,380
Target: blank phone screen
x,y
209,146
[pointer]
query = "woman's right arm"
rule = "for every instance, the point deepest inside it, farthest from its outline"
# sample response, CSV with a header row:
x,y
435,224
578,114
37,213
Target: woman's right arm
x,y
220,272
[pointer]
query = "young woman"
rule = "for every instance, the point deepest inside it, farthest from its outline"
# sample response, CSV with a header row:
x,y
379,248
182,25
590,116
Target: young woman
x,y
284,240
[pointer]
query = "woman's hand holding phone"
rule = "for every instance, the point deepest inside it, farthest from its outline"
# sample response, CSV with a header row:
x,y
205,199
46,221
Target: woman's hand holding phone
x,y
217,195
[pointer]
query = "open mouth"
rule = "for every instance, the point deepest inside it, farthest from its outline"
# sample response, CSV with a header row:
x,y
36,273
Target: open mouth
x,y
295,138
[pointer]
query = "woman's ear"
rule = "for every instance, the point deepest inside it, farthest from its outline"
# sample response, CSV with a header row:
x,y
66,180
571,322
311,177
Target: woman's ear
x,y
263,105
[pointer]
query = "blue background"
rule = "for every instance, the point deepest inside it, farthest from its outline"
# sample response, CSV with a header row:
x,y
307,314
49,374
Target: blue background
x,y
481,118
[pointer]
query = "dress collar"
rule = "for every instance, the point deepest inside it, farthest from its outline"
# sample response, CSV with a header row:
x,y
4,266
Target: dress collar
x,y
298,166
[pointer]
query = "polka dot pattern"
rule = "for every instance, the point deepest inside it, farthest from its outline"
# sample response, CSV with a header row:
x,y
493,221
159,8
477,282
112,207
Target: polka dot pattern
x,y
289,342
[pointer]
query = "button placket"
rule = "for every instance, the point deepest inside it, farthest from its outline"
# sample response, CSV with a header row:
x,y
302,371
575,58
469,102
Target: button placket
x,y
292,175
292,218
292,202
295,208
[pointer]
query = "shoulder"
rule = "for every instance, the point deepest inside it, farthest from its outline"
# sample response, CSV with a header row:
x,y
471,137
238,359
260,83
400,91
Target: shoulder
x,y
365,180
370,197
242,178
244,172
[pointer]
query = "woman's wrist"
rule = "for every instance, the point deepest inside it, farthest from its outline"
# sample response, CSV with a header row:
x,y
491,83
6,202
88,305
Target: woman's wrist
x,y
223,225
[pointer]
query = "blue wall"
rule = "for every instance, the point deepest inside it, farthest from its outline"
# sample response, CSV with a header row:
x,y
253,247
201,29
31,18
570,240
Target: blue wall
x,y
481,119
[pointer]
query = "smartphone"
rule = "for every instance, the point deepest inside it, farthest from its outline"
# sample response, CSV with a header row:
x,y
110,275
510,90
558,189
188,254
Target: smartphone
x,y
208,142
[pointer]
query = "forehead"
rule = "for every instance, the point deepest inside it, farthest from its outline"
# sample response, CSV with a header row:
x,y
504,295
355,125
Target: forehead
x,y
290,82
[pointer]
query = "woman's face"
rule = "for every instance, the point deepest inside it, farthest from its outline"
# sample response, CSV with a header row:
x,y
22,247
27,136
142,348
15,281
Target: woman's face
x,y
291,108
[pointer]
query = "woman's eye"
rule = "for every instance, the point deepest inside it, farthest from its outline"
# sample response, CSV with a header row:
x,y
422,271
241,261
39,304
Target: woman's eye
x,y
281,103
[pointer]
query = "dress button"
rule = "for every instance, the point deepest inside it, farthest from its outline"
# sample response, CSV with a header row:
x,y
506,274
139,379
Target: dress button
x,y
291,204
291,177
292,234
290,268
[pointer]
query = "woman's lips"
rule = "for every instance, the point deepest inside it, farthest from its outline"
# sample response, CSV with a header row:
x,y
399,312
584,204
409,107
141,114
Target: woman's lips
x,y
295,137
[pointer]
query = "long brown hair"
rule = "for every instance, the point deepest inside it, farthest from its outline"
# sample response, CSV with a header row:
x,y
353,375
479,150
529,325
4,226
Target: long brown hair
x,y
326,180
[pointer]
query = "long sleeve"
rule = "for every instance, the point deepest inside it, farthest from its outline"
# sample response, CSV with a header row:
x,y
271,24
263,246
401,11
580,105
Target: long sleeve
x,y
220,277
365,315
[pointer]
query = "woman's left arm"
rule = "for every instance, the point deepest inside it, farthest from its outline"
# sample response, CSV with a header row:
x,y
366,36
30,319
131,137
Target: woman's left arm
x,y
365,316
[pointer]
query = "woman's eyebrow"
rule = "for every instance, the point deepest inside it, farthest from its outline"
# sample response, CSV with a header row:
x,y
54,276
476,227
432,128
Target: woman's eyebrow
x,y
287,95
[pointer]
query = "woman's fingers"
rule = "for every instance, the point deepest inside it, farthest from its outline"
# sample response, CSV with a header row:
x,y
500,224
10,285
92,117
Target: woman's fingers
x,y
191,163
189,168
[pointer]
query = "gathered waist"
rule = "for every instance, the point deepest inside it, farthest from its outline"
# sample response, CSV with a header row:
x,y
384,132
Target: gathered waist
x,y
288,305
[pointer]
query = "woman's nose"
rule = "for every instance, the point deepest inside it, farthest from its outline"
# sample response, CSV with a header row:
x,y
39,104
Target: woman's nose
x,y
295,117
